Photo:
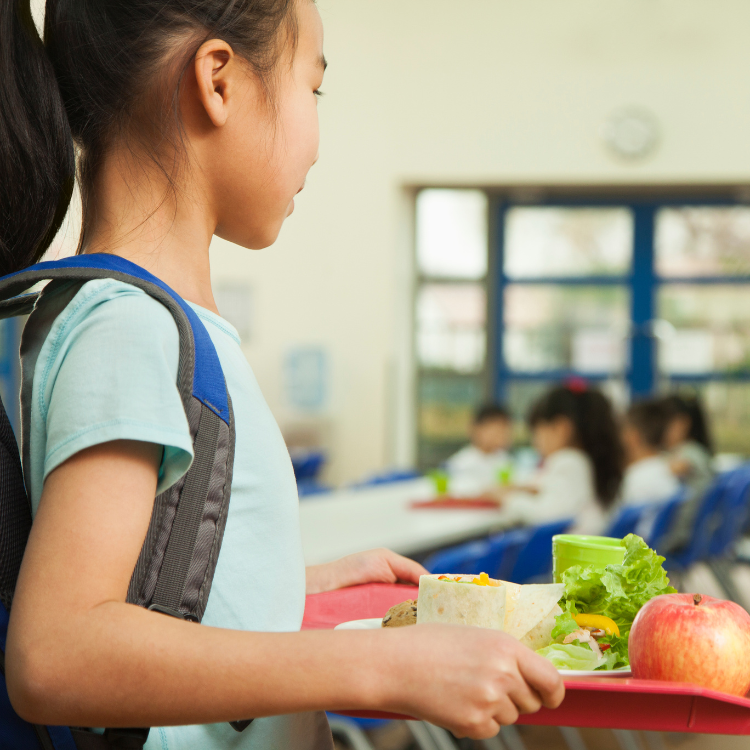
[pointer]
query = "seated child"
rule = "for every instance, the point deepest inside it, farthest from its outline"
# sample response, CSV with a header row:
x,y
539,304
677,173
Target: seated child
x,y
648,477
689,449
476,467
574,430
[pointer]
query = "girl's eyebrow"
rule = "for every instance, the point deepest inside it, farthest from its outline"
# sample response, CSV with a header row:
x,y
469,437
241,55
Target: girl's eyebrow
x,y
322,62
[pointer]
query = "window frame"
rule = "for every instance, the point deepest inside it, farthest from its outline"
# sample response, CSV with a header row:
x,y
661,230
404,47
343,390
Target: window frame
x,y
642,282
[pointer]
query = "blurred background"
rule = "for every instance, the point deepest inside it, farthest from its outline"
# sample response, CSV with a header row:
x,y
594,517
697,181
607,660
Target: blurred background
x,y
507,193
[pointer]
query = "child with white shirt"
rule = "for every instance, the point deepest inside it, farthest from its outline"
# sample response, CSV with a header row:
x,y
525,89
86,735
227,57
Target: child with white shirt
x,y
477,466
648,477
575,431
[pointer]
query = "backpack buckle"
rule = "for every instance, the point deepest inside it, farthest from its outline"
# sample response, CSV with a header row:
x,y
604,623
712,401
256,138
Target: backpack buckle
x,y
129,738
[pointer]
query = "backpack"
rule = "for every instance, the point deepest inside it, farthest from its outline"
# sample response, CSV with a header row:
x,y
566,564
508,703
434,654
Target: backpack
x,y
176,564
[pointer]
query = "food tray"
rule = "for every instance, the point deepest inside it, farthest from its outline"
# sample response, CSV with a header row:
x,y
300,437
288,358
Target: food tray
x,y
455,503
613,703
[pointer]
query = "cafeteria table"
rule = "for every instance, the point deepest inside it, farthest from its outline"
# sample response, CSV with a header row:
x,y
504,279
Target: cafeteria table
x,y
612,703
344,521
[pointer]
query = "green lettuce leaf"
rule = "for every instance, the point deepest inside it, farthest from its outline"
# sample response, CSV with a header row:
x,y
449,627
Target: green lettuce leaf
x,y
570,656
617,591
564,625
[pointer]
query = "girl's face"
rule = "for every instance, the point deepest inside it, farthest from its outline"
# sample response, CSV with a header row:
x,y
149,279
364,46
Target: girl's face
x,y
257,161
550,437
678,429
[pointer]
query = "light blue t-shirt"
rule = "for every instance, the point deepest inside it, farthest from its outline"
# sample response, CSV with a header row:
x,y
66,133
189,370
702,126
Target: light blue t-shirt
x,y
108,371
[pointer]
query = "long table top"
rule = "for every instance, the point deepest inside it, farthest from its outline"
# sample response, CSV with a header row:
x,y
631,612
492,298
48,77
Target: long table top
x,y
351,520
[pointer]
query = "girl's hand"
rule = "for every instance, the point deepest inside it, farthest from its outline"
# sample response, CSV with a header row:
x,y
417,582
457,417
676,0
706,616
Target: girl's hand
x,y
373,566
470,681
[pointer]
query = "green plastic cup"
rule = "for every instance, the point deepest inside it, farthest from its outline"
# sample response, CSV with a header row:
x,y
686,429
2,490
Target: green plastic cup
x,y
440,481
589,551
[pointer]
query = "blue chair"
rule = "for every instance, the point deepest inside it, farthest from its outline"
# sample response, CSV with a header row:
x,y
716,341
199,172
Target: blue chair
x,y
534,561
308,487
735,512
495,555
627,520
654,527
307,464
387,477
705,525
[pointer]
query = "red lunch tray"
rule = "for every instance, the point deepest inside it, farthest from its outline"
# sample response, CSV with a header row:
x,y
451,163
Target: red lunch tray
x,y
604,702
443,503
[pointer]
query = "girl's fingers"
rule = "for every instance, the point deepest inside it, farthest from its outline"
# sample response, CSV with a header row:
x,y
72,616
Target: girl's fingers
x,y
526,700
506,712
404,568
542,676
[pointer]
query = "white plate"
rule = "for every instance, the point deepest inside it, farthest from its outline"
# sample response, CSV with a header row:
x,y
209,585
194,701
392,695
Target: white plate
x,y
621,672
373,623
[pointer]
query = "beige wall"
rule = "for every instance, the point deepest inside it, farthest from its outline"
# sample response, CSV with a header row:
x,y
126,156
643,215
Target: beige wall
x,y
478,91
467,92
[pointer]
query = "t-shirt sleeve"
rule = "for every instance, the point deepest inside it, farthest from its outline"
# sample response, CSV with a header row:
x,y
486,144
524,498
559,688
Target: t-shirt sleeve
x,y
110,373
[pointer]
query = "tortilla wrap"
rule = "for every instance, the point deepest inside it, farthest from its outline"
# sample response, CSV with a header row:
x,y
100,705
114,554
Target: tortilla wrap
x,y
460,603
541,634
532,607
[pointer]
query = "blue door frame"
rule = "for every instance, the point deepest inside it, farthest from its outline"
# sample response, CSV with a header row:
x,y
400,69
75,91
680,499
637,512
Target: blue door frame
x,y
643,283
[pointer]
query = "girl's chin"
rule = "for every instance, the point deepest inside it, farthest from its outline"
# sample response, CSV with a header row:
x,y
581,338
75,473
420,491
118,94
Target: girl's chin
x,y
290,210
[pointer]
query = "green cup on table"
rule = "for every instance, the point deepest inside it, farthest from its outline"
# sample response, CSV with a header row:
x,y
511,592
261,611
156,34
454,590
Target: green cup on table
x,y
589,551
440,481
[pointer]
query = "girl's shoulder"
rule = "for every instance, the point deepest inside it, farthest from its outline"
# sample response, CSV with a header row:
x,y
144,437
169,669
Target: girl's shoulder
x,y
111,314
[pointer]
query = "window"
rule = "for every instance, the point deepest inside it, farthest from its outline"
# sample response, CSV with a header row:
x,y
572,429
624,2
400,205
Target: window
x,y
451,317
638,296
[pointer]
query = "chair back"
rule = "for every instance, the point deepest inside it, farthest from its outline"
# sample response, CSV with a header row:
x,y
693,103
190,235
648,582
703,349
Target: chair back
x,y
626,521
387,477
468,559
706,523
656,524
735,510
534,562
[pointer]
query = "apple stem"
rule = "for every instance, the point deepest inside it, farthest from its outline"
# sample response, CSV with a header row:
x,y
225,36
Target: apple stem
x,y
697,599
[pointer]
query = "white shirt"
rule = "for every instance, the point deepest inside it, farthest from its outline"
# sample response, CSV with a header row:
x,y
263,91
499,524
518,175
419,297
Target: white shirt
x,y
472,471
566,490
648,481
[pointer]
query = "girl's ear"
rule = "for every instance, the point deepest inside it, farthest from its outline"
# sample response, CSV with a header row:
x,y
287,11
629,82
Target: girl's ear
x,y
214,64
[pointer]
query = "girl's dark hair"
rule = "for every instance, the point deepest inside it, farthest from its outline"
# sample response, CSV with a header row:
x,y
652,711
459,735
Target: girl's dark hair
x,y
108,71
690,406
596,432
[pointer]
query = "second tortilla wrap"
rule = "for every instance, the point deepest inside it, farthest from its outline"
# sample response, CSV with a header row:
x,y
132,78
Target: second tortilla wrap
x,y
532,607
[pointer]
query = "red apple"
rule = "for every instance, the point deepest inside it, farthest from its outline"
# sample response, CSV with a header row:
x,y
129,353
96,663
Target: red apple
x,y
692,638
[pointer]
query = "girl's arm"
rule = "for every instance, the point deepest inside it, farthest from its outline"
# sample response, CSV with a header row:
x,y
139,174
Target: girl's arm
x,y
77,654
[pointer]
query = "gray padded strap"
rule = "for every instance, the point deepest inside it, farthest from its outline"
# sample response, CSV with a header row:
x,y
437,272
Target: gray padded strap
x,y
179,553
56,297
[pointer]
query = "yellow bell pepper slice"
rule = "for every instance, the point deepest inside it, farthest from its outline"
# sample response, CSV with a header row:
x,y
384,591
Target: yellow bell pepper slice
x,y
598,621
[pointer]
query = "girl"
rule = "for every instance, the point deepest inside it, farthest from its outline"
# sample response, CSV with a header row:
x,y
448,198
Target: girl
x,y
688,445
190,118
574,430
687,440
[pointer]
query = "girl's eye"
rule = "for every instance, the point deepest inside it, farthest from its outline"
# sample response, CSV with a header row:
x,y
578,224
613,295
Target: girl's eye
x,y
318,92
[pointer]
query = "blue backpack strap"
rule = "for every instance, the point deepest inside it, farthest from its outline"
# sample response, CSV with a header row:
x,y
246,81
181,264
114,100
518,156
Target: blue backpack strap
x,y
176,565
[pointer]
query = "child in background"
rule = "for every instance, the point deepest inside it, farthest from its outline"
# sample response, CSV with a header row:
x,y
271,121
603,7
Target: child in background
x,y
648,477
477,466
688,444
687,441
575,432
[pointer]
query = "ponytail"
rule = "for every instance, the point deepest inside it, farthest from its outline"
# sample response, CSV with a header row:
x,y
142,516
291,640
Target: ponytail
x,y
37,159
596,432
